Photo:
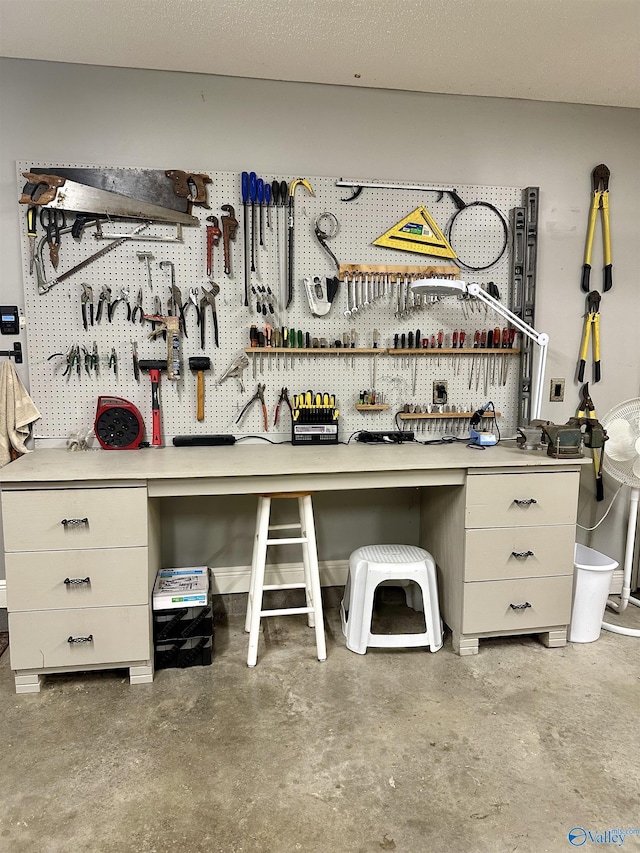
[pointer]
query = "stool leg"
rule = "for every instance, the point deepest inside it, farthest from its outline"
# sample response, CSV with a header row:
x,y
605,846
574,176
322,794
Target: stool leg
x,y
254,557
257,583
314,572
305,562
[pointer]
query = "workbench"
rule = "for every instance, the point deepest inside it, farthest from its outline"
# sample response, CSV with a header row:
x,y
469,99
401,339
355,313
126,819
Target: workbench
x,y
82,538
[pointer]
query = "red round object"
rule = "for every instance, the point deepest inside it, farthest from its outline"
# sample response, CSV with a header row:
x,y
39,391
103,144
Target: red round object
x,y
118,424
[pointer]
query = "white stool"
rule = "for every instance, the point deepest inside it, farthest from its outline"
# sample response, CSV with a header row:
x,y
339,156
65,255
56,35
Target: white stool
x,y
311,584
372,565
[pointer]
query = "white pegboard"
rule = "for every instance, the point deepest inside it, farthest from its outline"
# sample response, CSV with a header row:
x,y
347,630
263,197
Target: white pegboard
x,y
54,320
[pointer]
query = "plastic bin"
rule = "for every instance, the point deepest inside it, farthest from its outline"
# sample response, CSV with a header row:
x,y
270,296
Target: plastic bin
x,y
592,577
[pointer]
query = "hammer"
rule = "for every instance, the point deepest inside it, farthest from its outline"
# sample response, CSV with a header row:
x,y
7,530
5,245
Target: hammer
x,y
154,367
199,364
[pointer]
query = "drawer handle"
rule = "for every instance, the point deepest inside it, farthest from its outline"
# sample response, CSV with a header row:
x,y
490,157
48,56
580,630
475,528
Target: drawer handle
x,y
522,554
70,581
523,502
74,522
520,606
88,639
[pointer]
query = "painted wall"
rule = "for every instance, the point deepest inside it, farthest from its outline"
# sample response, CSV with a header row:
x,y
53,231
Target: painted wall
x,y
60,113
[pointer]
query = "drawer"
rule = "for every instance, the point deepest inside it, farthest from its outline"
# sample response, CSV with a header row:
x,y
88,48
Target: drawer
x,y
522,500
39,639
97,518
490,553
110,577
487,604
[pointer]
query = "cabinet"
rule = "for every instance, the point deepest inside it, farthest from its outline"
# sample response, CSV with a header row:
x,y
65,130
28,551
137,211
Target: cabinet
x,y
74,601
503,544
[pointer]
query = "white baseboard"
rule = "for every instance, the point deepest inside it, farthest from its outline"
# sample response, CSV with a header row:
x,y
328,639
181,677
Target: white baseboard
x,y
236,578
3,593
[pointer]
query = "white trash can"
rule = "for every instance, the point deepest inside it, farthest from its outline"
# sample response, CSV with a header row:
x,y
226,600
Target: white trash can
x,y
592,577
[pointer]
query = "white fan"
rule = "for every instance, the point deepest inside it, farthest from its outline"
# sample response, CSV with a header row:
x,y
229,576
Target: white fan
x,y
621,461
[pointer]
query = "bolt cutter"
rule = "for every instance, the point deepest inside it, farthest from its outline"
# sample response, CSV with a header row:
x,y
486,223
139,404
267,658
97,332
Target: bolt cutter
x,y
599,201
587,411
591,324
259,395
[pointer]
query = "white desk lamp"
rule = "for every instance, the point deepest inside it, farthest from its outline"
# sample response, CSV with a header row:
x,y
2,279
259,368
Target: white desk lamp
x,y
450,287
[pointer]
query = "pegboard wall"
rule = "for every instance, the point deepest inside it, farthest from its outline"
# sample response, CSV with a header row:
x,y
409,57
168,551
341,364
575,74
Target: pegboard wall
x,y
54,319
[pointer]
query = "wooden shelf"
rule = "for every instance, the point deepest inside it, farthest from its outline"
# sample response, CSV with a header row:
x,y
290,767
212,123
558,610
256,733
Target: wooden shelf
x,y
315,350
430,271
374,407
434,351
431,351
412,416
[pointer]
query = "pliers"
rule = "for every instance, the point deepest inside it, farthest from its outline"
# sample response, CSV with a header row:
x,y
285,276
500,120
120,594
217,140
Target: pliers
x,y
137,308
86,298
284,398
591,323
599,201
124,297
259,395
105,296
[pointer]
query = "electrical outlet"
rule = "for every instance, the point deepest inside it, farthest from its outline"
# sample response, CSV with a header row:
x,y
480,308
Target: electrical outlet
x,y
556,392
440,392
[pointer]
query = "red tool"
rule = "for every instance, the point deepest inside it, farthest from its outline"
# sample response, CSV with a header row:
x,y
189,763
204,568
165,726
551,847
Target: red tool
x,y
155,367
213,238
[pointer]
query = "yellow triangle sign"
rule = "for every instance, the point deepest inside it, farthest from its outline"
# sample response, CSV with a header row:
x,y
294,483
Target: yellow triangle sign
x,y
417,232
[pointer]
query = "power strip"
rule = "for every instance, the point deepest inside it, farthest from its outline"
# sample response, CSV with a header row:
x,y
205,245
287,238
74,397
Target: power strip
x,y
394,437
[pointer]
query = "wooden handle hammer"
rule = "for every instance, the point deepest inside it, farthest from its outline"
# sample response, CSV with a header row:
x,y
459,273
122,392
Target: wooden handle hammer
x,y
199,364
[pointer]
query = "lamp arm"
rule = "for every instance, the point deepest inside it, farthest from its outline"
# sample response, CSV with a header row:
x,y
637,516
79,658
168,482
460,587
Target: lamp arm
x,y
540,338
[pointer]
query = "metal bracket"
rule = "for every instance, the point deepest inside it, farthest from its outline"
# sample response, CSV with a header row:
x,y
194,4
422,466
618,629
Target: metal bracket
x,y
16,352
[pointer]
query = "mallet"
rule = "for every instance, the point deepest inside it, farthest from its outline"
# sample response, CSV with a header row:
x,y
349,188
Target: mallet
x,y
154,367
199,364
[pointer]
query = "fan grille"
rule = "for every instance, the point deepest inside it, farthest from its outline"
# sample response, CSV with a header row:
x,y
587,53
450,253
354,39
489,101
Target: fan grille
x,y
623,472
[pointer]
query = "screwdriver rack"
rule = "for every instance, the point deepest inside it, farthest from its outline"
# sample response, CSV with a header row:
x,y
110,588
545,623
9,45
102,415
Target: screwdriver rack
x,y
54,320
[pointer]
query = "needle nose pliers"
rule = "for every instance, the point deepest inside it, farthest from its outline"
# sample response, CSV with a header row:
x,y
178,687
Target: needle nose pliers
x,y
591,324
259,395
599,201
284,398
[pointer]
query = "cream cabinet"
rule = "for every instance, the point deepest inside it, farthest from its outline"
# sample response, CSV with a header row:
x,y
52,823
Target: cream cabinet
x,y
80,563
503,544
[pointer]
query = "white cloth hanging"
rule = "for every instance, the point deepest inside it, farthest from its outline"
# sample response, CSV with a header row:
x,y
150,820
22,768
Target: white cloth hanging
x,y
17,413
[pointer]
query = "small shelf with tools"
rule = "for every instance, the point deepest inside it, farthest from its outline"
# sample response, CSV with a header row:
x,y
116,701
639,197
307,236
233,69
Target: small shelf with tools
x,y
412,416
314,350
435,351
372,407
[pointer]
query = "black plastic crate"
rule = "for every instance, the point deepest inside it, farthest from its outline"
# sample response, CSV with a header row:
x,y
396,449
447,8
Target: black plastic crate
x,y
182,622
181,654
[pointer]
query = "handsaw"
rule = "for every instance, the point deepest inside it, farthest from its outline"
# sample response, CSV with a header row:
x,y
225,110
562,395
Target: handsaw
x,y
58,192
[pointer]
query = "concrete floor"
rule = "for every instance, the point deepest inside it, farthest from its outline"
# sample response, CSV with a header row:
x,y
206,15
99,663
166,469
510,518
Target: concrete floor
x,y
402,751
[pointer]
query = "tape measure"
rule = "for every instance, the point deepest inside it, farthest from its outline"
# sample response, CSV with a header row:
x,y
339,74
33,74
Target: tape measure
x,y
118,424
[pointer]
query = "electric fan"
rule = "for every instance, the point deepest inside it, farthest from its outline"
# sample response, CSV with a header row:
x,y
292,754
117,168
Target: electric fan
x,y
621,461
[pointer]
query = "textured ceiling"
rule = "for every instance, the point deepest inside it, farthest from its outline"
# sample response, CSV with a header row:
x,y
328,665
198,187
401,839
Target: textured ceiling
x,y
576,51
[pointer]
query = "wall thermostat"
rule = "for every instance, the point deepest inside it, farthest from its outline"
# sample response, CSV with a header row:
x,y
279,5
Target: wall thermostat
x,y
9,320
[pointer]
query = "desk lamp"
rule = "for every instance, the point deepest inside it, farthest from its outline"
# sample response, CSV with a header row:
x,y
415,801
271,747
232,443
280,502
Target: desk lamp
x,y
450,287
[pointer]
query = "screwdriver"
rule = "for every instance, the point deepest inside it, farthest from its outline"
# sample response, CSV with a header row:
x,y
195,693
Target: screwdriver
x,y
253,195
245,200
260,194
267,201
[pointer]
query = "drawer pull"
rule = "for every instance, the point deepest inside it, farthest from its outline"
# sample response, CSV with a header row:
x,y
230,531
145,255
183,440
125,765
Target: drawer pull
x,y
70,581
523,502
74,522
88,639
522,554
520,606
